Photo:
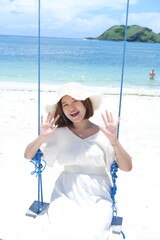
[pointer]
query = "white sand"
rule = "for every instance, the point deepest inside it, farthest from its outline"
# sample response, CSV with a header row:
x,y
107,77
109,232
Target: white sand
x,y
138,191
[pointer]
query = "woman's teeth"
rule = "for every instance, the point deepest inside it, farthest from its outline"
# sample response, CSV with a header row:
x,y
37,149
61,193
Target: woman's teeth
x,y
74,114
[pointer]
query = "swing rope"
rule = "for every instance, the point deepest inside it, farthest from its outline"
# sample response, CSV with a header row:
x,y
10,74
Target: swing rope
x,y
37,160
123,64
39,63
114,166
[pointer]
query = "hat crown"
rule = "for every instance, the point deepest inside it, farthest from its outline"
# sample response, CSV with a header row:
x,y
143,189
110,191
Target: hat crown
x,y
73,89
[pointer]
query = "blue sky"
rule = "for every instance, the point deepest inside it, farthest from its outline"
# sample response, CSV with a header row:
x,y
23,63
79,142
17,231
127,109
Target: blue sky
x,y
75,18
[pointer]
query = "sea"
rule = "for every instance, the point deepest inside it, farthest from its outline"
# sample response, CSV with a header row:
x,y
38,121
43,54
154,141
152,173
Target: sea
x,y
90,62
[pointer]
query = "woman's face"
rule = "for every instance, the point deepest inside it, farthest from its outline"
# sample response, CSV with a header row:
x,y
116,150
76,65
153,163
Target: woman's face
x,y
73,109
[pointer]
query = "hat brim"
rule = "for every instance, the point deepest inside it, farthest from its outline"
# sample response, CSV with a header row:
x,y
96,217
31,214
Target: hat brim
x,y
95,99
78,92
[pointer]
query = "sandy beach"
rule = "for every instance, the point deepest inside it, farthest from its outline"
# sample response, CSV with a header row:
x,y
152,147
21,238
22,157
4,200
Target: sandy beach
x,y
138,191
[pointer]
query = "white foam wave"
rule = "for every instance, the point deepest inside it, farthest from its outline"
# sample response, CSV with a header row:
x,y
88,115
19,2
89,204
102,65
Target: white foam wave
x,y
14,86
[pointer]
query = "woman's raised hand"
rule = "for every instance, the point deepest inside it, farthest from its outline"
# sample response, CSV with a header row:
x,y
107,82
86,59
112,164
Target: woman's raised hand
x,y
110,129
48,126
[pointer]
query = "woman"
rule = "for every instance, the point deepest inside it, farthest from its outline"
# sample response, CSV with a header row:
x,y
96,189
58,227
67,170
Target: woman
x,y
81,206
152,75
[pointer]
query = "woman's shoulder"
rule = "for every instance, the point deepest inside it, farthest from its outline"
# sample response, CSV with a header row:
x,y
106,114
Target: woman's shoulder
x,y
94,129
62,130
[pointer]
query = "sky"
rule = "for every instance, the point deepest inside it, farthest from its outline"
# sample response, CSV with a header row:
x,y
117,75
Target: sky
x,y
75,18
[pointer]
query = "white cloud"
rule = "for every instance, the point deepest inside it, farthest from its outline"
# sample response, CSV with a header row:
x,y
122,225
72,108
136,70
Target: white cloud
x,y
17,5
91,26
72,16
65,7
94,22
73,8
57,14
61,12
80,15
150,20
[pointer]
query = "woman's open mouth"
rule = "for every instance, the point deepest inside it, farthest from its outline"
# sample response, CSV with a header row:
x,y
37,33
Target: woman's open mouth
x,y
74,114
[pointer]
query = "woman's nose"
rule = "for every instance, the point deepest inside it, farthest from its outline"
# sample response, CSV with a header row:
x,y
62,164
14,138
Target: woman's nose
x,y
72,107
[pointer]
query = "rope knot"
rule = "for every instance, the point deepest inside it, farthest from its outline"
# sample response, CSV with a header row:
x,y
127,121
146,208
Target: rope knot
x,y
113,171
36,160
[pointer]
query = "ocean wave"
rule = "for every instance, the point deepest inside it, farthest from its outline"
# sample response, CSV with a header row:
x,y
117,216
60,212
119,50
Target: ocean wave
x,y
14,86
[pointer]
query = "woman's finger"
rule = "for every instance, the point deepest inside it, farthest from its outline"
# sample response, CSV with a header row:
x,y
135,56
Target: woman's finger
x,y
104,119
107,116
48,117
51,118
41,119
111,117
55,120
52,114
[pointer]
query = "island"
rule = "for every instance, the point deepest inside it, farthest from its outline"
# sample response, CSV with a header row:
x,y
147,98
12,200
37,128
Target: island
x,y
135,33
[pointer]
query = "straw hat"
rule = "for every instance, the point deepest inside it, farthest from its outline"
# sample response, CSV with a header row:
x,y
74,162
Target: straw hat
x,y
78,92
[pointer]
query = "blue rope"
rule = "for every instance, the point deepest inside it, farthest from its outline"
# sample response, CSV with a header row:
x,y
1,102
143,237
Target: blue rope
x,y
114,166
123,65
39,62
39,167
113,172
123,235
37,158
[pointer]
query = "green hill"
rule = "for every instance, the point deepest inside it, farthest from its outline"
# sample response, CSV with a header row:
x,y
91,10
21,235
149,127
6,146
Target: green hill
x,y
135,33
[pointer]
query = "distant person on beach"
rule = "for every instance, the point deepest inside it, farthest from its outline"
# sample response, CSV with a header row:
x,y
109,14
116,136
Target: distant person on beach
x,y
81,203
152,75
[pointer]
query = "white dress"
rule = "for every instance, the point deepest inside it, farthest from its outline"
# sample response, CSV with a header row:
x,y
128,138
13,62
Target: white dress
x,y
81,206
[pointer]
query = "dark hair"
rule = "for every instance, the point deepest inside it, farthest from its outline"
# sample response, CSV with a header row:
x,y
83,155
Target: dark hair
x,y
64,121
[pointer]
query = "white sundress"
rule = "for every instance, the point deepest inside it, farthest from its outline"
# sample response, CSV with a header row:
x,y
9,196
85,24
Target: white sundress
x,y
81,206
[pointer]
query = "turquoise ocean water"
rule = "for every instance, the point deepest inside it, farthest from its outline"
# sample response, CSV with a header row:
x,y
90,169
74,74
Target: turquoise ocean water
x,y
94,63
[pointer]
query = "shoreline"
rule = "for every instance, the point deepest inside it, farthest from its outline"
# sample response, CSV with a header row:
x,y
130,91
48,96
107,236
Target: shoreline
x,y
106,90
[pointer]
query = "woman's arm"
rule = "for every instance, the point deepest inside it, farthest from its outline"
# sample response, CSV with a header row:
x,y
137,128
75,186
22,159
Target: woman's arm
x,y
110,130
46,130
123,159
33,147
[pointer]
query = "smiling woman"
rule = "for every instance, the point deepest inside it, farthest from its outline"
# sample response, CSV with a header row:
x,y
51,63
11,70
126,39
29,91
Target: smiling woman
x,y
81,205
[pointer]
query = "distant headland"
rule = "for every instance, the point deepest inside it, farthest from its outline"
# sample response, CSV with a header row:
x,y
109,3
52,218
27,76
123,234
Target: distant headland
x,y
135,33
